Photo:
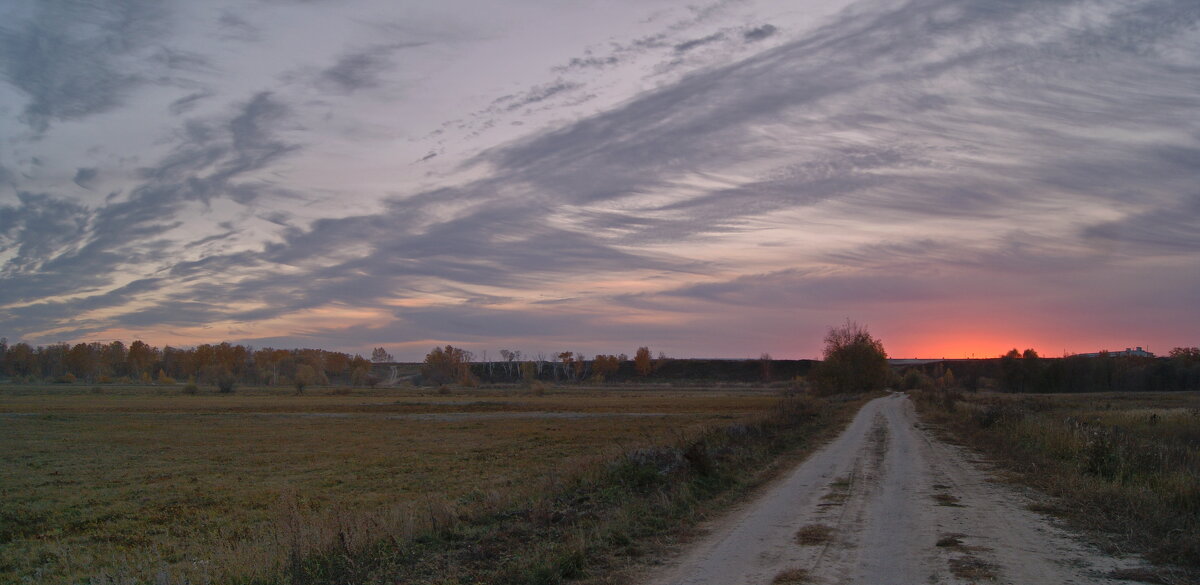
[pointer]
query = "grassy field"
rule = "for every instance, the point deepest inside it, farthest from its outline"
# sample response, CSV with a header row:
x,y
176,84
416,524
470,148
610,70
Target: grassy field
x,y
1124,465
147,484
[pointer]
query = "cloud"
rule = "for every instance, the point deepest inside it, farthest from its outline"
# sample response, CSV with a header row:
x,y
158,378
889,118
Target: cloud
x,y
1171,229
356,71
188,102
84,177
64,248
759,33
692,44
68,57
236,28
534,95
907,157
363,69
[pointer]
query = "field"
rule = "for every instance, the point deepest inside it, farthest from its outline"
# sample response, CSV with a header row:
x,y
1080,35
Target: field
x,y
147,484
1124,466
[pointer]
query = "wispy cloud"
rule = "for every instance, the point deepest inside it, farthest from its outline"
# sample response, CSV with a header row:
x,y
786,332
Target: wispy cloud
x,y
66,57
896,159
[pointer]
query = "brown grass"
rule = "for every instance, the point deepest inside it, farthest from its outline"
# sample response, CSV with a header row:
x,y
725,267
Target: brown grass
x,y
143,479
1125,467
947,500
972,569
141,482
791,577
950,541
814,534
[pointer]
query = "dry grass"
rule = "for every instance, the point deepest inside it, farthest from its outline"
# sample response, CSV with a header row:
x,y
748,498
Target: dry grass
x,y
950,541
948,500
791,577
1122,465
140,482
972,569
814,534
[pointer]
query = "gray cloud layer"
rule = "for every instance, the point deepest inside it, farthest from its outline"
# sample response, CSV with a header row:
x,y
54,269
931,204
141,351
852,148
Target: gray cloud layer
x,y
998,114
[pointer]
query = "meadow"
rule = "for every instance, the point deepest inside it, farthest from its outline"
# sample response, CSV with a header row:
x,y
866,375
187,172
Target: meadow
x,y
1123,466
146,484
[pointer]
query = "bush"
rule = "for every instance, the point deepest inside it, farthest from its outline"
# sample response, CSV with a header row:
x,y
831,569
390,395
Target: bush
x,y
191,389
225,382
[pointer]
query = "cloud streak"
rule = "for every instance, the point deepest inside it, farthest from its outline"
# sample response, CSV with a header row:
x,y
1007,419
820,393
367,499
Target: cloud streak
x,y
895,158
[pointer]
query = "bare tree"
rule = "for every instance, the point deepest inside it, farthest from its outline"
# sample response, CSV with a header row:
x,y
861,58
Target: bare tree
x,y
381,356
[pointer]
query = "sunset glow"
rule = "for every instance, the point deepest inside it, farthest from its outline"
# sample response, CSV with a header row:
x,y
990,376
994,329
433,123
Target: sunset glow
x,y
716,180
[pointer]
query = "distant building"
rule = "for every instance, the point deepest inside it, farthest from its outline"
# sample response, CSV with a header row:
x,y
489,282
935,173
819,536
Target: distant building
x,y
1129,352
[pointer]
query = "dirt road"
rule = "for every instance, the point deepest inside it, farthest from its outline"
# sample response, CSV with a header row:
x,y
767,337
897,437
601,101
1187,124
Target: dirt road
x,y
886,503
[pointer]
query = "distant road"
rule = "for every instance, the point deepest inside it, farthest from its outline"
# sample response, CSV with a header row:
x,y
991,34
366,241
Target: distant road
x,y
887,503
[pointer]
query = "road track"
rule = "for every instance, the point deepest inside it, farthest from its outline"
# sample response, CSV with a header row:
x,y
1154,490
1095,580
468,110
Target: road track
x,y
888,503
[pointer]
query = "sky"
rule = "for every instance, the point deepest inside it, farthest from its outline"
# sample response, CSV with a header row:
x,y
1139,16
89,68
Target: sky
x,y
710,179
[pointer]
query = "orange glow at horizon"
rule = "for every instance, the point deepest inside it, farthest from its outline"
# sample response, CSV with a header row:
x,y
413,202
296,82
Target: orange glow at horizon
x,y
978,343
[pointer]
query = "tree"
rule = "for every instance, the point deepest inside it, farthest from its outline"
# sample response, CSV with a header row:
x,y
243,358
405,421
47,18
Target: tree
x,y
20,360
853,361
567,359
641,362
306,375
83,360
140,357
1189,355
446,365
113,359
604,365
381,356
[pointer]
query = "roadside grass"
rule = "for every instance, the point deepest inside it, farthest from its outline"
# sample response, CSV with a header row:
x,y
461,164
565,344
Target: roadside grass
x,y
596,524
791,577
153,485
1122,465
814,534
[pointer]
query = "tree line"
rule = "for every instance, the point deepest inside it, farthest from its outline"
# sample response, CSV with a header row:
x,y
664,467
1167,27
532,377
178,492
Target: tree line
x,y
454,365
222,364
1026,371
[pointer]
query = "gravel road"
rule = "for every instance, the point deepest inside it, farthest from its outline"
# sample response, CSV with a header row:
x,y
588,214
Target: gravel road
x,y
887,503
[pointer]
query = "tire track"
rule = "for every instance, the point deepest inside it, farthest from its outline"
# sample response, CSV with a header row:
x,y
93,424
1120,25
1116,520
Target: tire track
x,y
888,503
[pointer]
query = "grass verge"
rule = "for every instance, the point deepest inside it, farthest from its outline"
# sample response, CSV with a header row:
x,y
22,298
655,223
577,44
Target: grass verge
x,y
593,525
1125,467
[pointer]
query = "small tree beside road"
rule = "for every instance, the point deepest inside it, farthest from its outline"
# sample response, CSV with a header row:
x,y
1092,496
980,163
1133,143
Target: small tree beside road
x,y
853,361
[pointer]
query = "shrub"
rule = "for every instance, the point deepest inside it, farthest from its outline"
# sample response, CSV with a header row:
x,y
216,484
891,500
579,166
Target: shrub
x,y
225,382
191,389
